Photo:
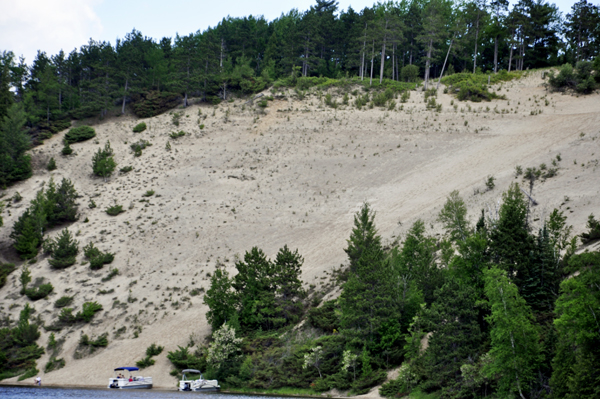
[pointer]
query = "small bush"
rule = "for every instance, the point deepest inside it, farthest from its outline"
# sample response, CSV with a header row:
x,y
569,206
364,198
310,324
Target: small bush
x,y
176,135
63,301
66,150
489,183
126,169
78,134
154,350
149,193
96,257
139,146
140,127
111,274
115,210
40,292
64,250
145,362
89,309
5,270
100,342
54,364
51,164
594,230
409,73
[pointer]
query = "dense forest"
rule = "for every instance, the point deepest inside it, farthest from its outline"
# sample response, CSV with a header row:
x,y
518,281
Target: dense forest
x,y
490,310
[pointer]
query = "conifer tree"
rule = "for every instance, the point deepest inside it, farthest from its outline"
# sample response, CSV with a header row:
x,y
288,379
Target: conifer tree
x,y
254,290
65,249
286,281
15,164
367,297
103,163
220,299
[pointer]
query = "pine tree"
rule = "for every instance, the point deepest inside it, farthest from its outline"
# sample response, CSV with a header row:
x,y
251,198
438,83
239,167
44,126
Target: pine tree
x,y
453,320
15,164
255,291
286,280
65,250
220,299
515,347
454,217
577,361
367,297
103,163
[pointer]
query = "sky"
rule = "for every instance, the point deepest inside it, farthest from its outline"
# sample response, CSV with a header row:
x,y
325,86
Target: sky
x,y
51,25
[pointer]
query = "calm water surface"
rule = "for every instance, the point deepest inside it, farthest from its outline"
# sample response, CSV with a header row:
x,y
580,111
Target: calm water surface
x,y
62,393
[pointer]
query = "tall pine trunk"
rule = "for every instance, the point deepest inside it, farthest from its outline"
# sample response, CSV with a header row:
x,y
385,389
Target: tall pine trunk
x,y
476,40
124,96
383,54
427,63
496,54
372,59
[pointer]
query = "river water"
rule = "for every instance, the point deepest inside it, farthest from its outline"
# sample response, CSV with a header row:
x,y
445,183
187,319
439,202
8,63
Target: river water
x,y
63,393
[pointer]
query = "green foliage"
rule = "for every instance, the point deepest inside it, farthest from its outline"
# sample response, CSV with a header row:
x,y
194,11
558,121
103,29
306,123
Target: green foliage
x,y
515,351
594,230
126,169
18,348
151,103
366,299
103,164
51,165
145,362
15,164
183,359
140,127
409,73
63,301
454,217
579,79
78,134
138,146
176,135
113,272
115,210
40,292
97,258
54,364
224,348
219,299
154,350
89,309
474,87
100,342
577,359
325,317
65,250
5,270
66,150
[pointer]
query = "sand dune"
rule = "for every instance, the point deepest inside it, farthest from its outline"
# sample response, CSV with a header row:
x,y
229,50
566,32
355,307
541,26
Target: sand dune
x,y
294,176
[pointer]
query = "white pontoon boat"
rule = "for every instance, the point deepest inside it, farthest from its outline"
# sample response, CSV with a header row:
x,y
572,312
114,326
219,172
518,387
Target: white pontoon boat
x,y
131,382
197,385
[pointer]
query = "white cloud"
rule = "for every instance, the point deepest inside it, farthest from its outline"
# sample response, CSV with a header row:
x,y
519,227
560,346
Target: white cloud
x,y
48,25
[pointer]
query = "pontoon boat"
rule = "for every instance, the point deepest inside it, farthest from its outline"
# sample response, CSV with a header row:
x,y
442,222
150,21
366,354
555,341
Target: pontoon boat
x,y
131,382
197,385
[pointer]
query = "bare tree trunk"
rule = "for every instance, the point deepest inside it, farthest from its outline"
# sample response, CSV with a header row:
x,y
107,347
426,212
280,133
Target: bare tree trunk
x,y
476,40
124,95
496,54
510,57
372,58
427,63
362,61
383,53
221,56
445,60
394,61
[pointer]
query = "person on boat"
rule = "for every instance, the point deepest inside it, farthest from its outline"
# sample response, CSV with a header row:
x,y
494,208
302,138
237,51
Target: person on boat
x,y
130,378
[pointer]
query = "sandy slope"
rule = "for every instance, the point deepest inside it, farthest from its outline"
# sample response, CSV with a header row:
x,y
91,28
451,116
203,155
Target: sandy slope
x,y
293,176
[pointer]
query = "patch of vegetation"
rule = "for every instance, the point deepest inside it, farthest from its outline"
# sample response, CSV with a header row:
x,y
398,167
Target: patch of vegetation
x,y
18,348
140,127
40,292
5,270
126,169
115,210
138,146
151,351
474,87
593,233
64,250
149,193
63,301
51,165
114,272
151,103
54,364
78,134
176,135
97,258
579,79
103,163
88,310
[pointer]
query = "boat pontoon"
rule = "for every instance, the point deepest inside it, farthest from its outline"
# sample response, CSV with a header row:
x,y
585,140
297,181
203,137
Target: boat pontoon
x,y
119,381
197,385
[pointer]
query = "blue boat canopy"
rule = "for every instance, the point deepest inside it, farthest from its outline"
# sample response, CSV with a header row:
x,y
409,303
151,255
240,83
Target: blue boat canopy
x,y
127,368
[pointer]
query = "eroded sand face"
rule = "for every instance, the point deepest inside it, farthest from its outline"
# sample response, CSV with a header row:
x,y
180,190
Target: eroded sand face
x,y
294,176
